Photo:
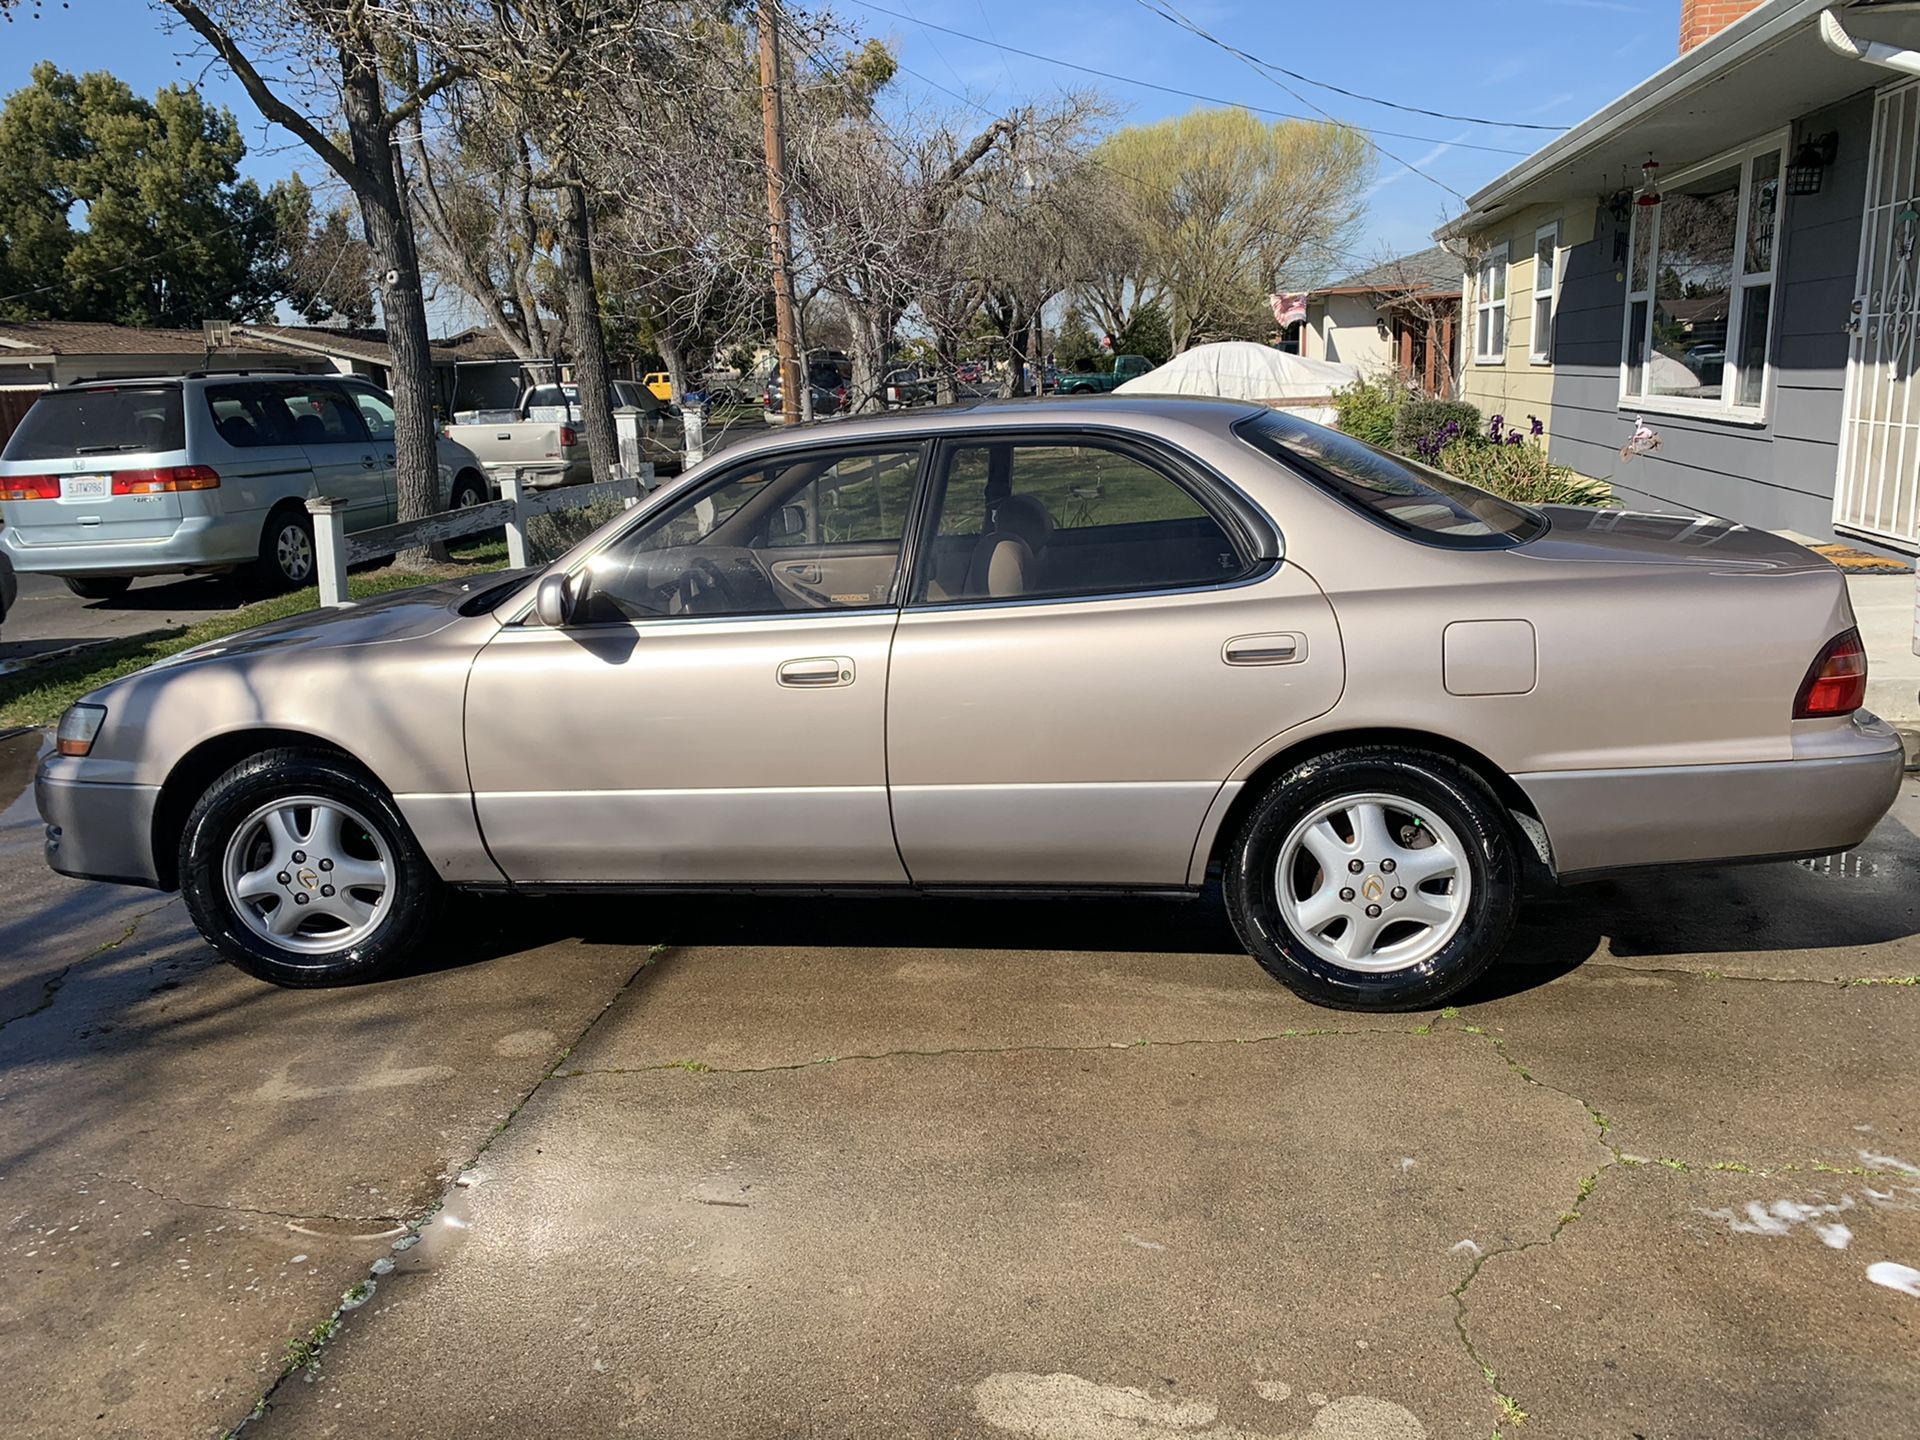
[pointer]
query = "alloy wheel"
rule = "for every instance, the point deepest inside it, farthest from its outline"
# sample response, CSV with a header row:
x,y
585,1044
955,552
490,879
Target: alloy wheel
x,y
309,874
1373,882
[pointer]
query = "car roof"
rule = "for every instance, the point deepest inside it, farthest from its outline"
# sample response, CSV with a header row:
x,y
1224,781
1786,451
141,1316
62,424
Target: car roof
x,y
112,382
1130,412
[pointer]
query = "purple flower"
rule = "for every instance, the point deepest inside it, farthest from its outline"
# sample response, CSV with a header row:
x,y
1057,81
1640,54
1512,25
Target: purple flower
x,y
1495,425
1514,438
1535,427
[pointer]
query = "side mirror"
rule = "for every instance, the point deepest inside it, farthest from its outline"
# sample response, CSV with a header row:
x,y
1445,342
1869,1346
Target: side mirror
x,y
561,598
788,521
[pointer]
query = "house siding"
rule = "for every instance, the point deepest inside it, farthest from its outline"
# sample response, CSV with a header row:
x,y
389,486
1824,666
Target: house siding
x,y
1347,328
1515,386
1780,474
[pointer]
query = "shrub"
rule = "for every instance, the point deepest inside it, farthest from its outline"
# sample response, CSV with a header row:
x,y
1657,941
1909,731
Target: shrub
x,y
551,535
1419,425
1517,469
1366,410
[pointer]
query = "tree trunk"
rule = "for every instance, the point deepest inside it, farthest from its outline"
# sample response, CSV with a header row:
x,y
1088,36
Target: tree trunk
x,y
870,338
383,213
674,356
946,360
591,370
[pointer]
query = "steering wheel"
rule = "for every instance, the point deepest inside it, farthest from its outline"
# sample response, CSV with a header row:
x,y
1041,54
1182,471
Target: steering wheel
x,y
702,582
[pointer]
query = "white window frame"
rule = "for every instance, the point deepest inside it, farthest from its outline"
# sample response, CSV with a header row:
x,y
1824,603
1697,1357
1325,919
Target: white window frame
x,y
1482,304
1538,353
1726,407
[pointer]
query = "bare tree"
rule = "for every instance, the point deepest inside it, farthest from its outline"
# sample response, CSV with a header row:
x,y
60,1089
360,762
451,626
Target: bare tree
x,y
336,56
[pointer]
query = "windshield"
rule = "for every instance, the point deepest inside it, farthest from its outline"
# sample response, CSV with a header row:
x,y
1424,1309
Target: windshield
x,y
1415,499
116,420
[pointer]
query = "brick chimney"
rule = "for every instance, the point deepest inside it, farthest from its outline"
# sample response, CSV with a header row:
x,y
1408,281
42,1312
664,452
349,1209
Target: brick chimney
x,y
1703,19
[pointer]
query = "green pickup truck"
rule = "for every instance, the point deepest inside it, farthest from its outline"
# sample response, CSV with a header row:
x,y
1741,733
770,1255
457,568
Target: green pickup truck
x,y
1125,367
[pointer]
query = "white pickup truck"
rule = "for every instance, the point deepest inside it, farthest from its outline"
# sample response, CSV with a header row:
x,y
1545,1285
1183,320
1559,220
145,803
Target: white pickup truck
x,y
544,437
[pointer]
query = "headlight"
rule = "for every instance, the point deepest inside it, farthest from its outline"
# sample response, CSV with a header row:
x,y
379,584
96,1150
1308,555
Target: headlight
x,y
78,727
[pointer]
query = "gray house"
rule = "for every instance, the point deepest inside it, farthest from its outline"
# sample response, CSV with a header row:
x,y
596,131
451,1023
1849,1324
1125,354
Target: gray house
x,y
1709,292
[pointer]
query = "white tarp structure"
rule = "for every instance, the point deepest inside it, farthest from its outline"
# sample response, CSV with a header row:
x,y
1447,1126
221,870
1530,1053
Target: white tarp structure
x,y
1242,370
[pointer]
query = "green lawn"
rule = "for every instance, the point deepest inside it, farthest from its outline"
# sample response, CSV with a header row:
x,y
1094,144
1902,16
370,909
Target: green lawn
x,y
37,695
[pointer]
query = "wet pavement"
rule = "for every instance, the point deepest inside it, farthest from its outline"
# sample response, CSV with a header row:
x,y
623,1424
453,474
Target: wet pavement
x,y
1050,1170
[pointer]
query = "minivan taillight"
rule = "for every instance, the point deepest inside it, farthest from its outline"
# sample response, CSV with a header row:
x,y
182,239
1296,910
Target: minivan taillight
x,y
166,480
1836,684
30,487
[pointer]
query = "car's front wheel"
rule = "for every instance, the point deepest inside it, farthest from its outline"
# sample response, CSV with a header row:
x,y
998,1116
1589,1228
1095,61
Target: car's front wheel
x,y
99,587
1374,878
469,490
300,870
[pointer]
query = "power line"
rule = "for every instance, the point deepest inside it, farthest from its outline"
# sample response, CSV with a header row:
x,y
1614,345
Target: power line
x,y
1135,80
1167,12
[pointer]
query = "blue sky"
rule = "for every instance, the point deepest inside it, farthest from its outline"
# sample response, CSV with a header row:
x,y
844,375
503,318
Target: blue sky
x,y
1549,62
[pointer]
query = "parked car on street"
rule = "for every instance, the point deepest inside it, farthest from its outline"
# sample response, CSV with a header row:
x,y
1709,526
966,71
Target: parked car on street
x,y
1012,649
826,379
201,474
906,387
1125,368
659,384
544,439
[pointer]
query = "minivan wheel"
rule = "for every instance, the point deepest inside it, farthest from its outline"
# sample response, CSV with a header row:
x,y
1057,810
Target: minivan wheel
x,y
286,551
101,587
1374,878
299,869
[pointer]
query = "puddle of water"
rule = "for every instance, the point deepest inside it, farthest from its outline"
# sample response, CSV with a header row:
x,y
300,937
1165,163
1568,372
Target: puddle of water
x,y
1845,865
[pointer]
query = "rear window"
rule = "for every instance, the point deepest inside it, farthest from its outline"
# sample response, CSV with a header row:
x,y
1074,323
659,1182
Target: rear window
x,y
121,420
1403,494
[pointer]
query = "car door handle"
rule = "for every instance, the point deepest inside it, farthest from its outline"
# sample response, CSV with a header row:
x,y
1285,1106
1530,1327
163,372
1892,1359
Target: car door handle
x,y
817,672
368,462
1283,649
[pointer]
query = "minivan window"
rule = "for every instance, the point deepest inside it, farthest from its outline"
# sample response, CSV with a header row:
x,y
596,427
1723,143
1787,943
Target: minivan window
x,y
249,416
110,420
1403,494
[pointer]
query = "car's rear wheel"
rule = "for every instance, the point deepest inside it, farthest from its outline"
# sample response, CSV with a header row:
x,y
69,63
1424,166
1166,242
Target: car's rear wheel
x,y
286,551
101,587
1374,878
299,869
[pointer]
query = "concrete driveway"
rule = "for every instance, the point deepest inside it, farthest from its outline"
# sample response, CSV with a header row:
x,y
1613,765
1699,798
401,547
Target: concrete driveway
x,y
1062,1171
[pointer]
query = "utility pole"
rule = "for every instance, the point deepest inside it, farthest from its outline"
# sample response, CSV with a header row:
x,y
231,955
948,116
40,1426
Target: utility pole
x,y
779,228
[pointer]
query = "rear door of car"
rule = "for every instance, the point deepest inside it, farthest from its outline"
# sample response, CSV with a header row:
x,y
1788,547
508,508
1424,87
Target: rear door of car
x,y
376,413
1097,634
342,455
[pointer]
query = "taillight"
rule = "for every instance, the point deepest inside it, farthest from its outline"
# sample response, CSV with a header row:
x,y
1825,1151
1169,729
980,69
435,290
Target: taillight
x,y
166,480
30,487
567,437
1836,684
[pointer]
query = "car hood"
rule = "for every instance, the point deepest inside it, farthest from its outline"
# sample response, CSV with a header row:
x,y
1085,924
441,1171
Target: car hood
x,y
383,620
1627,537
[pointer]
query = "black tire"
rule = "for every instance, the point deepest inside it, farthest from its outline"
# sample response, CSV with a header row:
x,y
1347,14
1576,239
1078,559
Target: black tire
x,y
286,562
99,587
1453,794
468,489
410,910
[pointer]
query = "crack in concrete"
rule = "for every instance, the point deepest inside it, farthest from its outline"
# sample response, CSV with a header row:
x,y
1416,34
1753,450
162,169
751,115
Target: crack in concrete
x,y
1835,982
701,1067
385,1222
51,986
305,1353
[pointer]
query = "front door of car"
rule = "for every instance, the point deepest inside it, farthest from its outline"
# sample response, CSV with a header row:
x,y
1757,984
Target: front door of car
x,y
345,464
715,710
1093,645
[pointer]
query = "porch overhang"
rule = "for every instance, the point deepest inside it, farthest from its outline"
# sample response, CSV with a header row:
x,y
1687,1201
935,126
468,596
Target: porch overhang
x,y
1755,76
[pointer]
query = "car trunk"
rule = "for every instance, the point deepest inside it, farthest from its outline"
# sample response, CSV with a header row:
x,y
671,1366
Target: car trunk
x,y
79,441
1622,537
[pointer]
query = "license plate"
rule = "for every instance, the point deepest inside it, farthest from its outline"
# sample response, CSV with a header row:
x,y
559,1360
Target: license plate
x,y
83,487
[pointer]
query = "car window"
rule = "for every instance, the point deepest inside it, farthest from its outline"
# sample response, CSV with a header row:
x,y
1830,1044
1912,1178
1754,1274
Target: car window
x,y
1047,519
1392,490
816,530
123,419
322,414
249,416
376,412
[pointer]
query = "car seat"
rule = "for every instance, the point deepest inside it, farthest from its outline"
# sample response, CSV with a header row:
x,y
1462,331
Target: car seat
x,y
1006,560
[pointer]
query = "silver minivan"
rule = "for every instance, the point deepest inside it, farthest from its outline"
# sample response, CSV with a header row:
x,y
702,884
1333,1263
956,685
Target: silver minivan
x,y
201,474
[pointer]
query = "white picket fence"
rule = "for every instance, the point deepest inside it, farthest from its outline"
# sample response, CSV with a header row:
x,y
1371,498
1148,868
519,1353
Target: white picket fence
x,y
335,549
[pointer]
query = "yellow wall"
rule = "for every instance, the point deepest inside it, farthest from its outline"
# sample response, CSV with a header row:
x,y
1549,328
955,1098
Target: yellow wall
x,y
1516,386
